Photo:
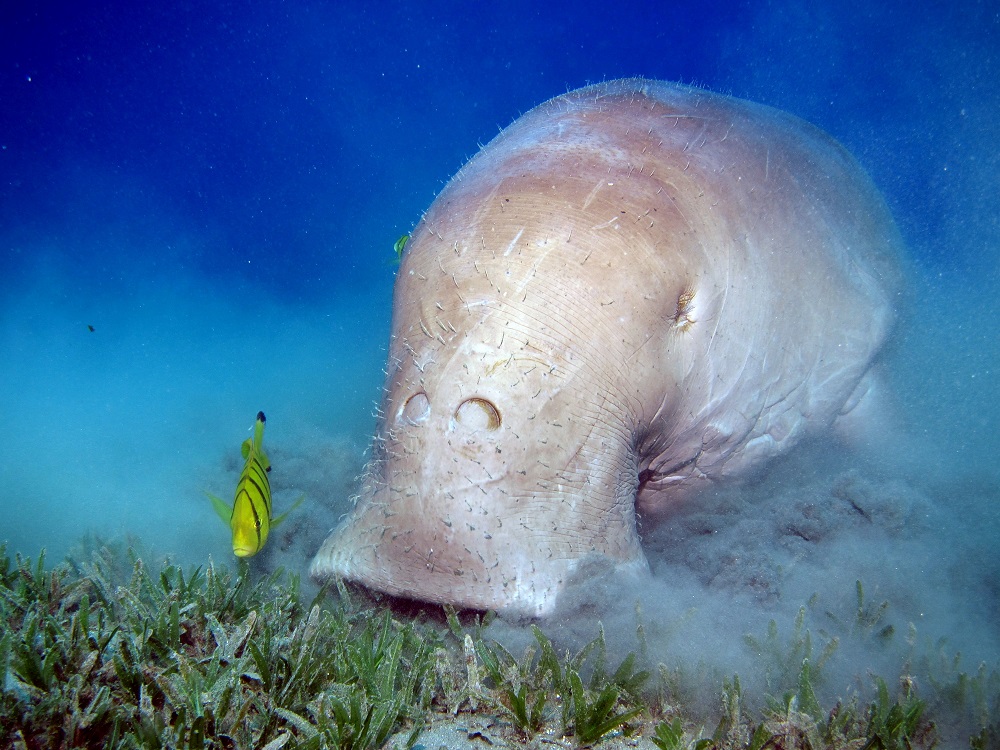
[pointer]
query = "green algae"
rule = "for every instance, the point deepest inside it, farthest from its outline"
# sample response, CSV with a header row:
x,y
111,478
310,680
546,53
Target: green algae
x,y
116,653
207,659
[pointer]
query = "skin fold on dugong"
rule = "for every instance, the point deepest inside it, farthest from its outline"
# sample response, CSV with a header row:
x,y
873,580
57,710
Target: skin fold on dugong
x,y
635,289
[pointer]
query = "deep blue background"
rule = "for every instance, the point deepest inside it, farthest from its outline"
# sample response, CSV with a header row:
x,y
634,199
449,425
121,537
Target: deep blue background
x,y
291,143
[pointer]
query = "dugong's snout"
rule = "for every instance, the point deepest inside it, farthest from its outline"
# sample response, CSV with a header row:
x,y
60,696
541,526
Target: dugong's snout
x,y
435,559
458,508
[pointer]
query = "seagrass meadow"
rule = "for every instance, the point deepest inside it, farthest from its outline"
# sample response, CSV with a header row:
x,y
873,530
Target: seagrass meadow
x,y
201,206
113,651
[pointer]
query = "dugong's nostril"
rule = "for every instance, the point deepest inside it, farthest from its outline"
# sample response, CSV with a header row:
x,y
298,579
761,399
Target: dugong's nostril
x,y
478,414
415,410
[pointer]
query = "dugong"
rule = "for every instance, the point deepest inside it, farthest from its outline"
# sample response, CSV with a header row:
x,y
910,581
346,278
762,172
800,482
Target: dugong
x,y
636,289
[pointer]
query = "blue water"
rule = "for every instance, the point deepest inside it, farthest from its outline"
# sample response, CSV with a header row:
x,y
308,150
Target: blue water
x,y
216,190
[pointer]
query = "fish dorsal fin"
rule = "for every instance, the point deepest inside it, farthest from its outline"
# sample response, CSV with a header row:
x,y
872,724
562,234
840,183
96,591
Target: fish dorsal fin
x,y
247,447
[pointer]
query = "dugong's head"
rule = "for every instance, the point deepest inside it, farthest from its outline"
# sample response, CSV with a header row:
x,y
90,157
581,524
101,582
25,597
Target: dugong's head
x,y
587,317
518,372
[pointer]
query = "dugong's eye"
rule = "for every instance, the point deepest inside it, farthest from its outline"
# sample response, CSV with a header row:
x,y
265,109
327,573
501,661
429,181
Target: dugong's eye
x,y
478,414
416,409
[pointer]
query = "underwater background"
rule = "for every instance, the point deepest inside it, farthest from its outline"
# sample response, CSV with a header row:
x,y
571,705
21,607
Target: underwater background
x,y
198,206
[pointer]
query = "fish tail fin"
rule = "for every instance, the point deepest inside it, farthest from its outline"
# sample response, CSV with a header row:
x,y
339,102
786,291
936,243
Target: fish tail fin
x,y
257,441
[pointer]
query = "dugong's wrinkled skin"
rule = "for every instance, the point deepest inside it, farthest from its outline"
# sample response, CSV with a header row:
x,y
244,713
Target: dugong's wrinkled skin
x,y
635,288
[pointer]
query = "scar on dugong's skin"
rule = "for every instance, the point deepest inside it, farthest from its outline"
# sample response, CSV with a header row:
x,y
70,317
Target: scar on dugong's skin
x,y
636,288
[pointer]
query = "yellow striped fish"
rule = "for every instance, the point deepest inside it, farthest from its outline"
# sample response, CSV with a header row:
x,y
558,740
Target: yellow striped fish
x,y
250,515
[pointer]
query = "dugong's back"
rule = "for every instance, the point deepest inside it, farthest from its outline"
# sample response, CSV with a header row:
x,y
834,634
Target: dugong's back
x,y
635,287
